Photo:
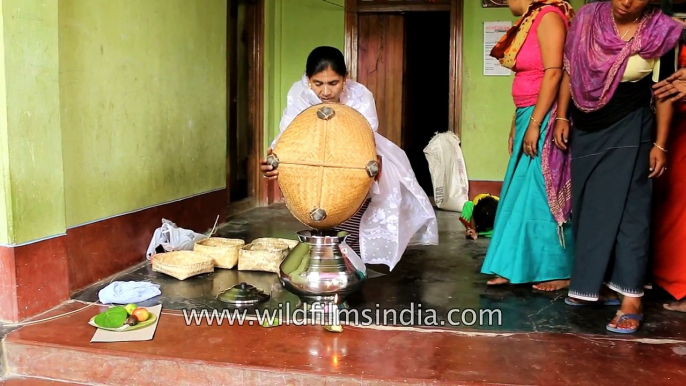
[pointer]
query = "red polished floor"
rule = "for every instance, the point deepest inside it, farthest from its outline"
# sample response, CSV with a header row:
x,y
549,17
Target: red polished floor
x,y
289,355
25,381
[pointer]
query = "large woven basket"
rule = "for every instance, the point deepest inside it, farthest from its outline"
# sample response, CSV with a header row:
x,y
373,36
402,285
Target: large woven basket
x,y
223,251
182,264
265,257
326,159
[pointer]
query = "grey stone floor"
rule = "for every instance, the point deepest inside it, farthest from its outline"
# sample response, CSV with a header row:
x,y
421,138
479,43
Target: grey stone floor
x,y
439,278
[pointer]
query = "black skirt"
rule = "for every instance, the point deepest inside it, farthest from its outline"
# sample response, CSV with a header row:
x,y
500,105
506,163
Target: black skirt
x,y
611,206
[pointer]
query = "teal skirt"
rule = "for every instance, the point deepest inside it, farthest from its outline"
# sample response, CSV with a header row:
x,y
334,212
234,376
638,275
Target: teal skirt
x,y
526,244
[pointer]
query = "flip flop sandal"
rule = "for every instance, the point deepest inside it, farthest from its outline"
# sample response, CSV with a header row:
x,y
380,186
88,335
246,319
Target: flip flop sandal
x,y
600,303
623,317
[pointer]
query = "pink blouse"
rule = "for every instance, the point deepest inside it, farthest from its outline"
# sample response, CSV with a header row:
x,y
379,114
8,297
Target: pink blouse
x,y
529,67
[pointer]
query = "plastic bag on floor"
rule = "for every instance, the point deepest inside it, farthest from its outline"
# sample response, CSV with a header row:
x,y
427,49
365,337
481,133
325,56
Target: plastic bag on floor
x,y
173,238
448,171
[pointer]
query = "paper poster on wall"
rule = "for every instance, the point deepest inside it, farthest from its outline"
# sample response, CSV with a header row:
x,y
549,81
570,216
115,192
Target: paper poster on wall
x,y
493,31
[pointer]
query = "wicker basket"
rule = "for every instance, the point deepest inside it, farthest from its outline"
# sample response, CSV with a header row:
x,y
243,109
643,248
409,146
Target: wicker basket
x,y
266,257
326,160
223,251
269,240
182,264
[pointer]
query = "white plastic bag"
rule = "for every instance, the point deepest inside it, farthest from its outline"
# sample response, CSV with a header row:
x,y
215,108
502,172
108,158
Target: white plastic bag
x,y
448,171
173,238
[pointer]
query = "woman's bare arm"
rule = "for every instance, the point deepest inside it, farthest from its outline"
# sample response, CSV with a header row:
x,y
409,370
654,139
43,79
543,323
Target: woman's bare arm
x,y
551,37
562,125
564,96
658,156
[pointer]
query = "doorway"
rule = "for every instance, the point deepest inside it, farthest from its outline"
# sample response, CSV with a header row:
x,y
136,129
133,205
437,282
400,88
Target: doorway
x,y
404,58
244,68
426,88
237,137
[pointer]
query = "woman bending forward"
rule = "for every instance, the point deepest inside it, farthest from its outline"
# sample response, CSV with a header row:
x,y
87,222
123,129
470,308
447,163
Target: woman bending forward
x,y
397,212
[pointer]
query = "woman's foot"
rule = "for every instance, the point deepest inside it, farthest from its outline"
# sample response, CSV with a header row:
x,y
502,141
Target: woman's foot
x,y
553,285
679,306
498,281
629,317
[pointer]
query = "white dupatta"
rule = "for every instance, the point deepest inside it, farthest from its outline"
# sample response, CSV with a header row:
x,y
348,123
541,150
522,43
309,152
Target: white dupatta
x,y
400,213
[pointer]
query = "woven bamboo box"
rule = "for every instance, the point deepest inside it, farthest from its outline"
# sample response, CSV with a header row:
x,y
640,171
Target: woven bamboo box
x,y
271,240
265,257
182,264
223,251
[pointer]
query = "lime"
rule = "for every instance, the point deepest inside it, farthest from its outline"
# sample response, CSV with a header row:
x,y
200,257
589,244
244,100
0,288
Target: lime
x,y
275,322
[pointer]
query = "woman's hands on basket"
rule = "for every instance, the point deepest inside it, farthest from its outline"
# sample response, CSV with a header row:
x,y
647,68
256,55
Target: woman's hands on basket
x,y
267,170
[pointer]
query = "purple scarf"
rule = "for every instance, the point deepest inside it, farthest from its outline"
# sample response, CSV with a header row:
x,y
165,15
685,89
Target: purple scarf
x,y
595,58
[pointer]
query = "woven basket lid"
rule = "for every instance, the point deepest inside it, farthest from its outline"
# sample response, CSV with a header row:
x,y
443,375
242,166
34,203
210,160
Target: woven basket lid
x,y
326,160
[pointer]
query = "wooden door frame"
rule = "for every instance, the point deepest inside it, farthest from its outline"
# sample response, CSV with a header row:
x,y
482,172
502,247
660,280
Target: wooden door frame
x,y
456,40
257,190
231,94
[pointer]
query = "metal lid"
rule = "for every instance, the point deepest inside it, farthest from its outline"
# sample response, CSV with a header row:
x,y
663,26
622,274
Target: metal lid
x,y
243,294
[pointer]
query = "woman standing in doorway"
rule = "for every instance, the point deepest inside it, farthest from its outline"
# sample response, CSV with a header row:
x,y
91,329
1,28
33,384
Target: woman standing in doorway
x,y
528,243
397,213
618,145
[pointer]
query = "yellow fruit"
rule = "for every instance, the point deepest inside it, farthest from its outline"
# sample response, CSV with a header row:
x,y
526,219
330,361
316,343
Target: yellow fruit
x,y
334,328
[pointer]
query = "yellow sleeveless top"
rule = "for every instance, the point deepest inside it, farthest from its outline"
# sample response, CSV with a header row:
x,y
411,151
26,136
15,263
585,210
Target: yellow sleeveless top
x,y
638,68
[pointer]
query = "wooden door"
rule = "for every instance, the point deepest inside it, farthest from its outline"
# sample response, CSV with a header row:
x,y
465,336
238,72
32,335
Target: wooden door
x,y
380,63
354,39
245,46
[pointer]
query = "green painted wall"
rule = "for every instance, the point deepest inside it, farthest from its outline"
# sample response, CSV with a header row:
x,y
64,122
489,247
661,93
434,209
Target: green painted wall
x,y
292,29
107,107
32,199
487,100
487,105
5,187
143,102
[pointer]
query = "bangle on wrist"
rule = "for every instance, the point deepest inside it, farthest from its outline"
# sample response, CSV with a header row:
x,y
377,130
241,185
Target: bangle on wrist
x,y
562,119
660,147
535,121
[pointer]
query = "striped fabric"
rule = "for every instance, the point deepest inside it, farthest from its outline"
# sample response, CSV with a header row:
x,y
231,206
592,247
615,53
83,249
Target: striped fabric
x,y
352,226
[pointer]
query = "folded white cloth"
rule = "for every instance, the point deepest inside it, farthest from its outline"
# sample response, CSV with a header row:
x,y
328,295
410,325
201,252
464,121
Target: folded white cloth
x,y
125,292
